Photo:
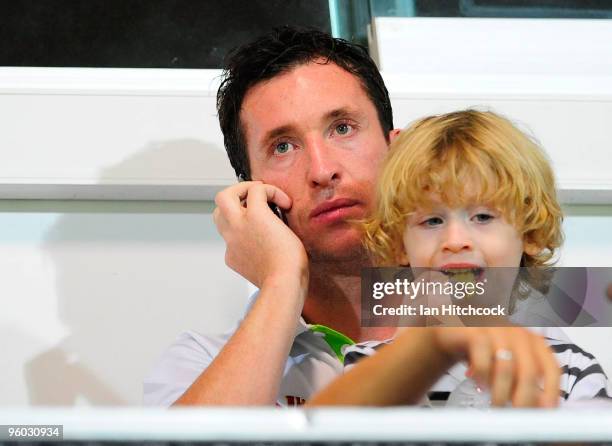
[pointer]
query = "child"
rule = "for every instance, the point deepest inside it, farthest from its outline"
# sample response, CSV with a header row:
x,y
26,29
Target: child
x,y
468,190
473,163
470,160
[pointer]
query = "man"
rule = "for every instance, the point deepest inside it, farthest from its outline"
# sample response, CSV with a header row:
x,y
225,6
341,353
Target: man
x,y
308,119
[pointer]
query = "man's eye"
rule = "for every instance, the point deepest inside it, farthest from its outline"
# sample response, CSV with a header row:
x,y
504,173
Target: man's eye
x,y
344,129
433,221
283,147
483,218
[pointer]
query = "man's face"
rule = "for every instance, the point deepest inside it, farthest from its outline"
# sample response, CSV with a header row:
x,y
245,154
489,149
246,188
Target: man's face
x,y
314,133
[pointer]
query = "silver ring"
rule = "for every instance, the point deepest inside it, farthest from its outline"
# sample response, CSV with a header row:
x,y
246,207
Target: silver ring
x,y
503,354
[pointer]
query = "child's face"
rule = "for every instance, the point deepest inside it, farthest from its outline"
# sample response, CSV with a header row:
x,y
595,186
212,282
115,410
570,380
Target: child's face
x,y
469,236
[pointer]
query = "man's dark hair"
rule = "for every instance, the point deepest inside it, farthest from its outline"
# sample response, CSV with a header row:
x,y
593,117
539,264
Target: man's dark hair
x,y
279,52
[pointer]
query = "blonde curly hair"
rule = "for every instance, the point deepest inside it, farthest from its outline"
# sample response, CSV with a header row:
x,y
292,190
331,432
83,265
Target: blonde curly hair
x,y
441,155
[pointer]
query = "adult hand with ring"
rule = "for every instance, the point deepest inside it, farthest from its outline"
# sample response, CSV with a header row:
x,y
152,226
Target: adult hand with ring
x,y
503,354
514,364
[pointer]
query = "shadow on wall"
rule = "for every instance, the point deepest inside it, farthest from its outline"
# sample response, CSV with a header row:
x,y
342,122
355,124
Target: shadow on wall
x,y
184,159
129,278
57,378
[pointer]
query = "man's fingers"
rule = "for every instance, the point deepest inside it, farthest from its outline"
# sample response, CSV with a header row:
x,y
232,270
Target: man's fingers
x,y
480,356
503,371
521,362
249,229
502,376
220,222
511,362
550,372
526,391
233,201
218,219
265,193
229,200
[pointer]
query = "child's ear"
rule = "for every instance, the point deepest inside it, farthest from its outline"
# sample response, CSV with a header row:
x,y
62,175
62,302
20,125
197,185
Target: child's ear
x,y
531,248
402,258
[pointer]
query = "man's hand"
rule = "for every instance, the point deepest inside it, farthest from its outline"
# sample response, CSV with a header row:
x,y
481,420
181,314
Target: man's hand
x,y
249,368
258,244
516,365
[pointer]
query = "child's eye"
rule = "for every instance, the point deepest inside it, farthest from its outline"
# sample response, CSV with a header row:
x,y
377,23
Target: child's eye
x,y
432,221
483,217
283,147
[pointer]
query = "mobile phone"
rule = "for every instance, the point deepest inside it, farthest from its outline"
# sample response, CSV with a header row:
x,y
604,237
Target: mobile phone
x,y
273,206
278,212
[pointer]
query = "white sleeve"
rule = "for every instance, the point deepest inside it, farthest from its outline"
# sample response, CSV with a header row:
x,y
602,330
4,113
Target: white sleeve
x,y
179,366
589,380
582,377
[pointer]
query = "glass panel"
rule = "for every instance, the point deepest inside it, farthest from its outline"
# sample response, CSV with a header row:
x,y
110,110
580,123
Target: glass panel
x,y
350,18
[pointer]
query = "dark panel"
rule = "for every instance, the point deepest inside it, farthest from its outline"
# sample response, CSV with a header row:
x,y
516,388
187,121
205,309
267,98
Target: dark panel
x,y
567,9
515,8
440,8
141,33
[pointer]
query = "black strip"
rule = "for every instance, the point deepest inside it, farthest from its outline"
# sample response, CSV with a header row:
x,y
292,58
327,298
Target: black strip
x,y
552,339
563,394
353,357
571,371
595,368
560,348
603,393
438,396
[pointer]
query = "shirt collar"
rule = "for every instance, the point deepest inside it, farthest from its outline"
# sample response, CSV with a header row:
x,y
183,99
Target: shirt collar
x,y
301,327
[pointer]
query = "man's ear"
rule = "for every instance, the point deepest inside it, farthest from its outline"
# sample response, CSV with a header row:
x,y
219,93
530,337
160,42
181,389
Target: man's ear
x,y
393,134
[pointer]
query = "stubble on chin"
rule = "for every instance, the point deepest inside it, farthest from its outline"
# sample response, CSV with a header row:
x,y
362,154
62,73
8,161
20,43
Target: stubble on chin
x,y
340,259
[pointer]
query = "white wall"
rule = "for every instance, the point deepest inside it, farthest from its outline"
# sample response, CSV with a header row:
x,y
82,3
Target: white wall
x,y
82,133
94,290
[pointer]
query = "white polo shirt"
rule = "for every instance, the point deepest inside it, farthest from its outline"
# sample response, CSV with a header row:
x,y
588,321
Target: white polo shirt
x,y
319,354
311,365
